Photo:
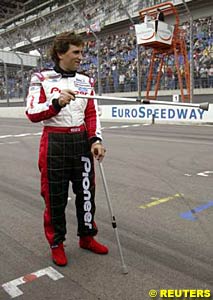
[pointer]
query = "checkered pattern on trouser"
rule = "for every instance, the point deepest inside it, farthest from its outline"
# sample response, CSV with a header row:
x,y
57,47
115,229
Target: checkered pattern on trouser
x,y
60,162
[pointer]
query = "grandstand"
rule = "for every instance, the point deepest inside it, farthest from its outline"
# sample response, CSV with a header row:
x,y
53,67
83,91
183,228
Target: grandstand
x,y
29,27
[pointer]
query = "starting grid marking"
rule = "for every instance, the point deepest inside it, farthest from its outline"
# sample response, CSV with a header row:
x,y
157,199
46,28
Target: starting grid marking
x,y
12,289
188,215
161,200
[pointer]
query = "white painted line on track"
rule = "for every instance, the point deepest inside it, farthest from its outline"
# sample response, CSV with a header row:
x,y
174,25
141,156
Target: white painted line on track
x,y
22,134
201,174
19,135
40,133
5,136
205,173
12,289
125,126
9,143
111,127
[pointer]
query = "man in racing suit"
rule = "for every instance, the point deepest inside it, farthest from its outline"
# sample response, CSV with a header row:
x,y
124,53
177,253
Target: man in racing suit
x,y
71,138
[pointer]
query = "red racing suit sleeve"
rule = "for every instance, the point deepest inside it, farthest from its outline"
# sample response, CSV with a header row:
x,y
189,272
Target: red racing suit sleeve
x,y
40,108
92,120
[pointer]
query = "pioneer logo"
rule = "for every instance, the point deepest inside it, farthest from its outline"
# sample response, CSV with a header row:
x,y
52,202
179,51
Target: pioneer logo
x,y
86,191
81,91
55,89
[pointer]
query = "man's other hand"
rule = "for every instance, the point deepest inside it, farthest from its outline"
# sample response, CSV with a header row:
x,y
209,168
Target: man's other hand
x,y
98,151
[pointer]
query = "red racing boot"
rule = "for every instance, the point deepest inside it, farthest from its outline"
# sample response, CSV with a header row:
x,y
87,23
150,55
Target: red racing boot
x,y
89,243
58,255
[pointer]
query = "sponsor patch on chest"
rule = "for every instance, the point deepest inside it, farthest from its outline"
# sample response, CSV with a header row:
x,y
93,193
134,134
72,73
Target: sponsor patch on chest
x,y
81,83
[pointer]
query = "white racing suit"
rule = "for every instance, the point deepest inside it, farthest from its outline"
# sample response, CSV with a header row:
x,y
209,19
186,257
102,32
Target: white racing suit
x,y
64,154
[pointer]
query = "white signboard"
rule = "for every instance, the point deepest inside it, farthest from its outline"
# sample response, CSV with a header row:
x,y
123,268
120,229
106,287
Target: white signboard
x,y
162,113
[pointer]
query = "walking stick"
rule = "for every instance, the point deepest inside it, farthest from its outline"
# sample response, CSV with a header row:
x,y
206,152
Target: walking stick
x,y
114,225
203,106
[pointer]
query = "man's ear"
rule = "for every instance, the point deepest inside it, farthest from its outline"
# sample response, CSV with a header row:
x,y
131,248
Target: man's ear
x,y
60,55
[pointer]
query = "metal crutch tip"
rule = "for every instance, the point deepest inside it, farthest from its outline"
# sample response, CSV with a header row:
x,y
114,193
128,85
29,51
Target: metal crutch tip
x,y
125,271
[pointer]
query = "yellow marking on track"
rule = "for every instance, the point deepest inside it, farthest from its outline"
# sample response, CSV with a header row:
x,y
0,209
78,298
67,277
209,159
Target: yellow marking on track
x,y
161,200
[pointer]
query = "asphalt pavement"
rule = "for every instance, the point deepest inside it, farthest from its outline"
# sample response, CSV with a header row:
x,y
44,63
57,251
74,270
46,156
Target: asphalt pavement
x,y
160,184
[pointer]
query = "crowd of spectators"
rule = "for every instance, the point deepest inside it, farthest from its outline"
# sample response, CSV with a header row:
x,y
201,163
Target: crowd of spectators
x,y
119,60
17,83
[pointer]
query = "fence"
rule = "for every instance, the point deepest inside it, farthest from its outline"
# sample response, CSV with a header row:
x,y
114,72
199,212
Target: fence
x,y
15,72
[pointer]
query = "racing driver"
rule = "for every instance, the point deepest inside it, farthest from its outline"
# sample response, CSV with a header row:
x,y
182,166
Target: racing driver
x,y
70,140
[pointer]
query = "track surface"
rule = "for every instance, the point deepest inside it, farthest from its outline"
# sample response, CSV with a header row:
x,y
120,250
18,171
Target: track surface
x,y
160,183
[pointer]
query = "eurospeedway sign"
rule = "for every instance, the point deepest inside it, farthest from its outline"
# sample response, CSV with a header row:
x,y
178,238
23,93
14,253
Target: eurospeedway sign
x,y
160,113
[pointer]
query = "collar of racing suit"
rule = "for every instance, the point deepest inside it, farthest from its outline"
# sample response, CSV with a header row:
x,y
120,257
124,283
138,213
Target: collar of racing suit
x,y
64,73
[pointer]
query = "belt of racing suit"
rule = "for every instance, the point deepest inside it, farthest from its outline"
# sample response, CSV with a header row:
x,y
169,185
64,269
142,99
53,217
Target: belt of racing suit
x,y
74,129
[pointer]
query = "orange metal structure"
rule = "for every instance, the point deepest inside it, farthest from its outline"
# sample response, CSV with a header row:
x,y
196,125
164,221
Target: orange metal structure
x,y
160,52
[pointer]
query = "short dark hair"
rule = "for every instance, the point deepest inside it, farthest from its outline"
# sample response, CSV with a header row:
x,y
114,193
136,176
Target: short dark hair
x,y
62,42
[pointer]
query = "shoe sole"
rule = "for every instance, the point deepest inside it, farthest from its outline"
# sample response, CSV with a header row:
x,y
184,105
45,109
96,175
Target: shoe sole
x,y
101,253
60,265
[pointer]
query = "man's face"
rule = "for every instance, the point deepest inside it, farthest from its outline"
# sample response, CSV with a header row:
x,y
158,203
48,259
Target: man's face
x,y
70,60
